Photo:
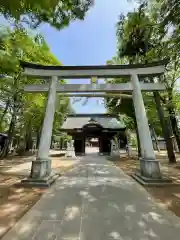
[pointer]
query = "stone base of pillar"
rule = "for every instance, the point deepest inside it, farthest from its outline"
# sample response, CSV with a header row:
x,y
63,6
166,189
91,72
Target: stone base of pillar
x,y
150,173
150,168
41,175
44,182
40,168
115,153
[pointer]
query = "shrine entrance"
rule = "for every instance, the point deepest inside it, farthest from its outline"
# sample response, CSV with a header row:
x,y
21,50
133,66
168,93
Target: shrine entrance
x,y
135,75
92,131
103,127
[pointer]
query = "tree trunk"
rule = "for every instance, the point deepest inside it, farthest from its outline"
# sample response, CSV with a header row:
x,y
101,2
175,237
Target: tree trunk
x,y
139,145
38,136
51,146
4,112
9,138
155,137
28,142
28,137
138,139
13,119
165,129
38,133
174,126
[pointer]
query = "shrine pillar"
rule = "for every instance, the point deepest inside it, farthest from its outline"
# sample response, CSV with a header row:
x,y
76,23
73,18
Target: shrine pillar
x,y
149,166
41,166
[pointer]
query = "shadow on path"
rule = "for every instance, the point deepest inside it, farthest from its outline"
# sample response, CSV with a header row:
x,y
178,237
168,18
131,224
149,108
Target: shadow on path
x,y
96,201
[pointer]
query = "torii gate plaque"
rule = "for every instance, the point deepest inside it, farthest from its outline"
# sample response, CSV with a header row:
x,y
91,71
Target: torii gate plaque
x,y
41,174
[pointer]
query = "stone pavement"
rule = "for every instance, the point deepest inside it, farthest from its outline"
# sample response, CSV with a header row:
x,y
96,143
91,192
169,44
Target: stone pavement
x,y
96,201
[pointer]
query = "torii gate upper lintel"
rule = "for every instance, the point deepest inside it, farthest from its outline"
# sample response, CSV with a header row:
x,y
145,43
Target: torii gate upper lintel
x,y
104,71
149,166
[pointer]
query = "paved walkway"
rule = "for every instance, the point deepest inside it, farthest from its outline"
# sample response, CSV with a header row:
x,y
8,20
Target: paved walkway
x,y
96,201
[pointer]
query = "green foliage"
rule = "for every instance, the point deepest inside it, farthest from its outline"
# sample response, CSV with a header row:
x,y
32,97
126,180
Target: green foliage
x,y
55,12
176,101
25,111
133,33
168,12
140,39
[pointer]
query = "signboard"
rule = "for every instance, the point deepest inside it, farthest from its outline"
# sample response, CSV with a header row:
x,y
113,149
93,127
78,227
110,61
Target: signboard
x,y
94,80
91,126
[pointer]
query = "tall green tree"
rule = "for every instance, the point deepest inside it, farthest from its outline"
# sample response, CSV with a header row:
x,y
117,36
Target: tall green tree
x,y
57,13
139,41
26,111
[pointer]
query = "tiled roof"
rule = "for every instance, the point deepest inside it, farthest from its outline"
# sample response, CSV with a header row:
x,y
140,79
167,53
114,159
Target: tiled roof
x,y
78,122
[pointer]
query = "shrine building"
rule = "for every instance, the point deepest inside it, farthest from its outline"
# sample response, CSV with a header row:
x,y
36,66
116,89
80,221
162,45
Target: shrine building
x,y
104,127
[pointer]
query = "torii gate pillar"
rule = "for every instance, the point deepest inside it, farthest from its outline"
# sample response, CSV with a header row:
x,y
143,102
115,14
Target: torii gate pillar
x,y
149,166
41,174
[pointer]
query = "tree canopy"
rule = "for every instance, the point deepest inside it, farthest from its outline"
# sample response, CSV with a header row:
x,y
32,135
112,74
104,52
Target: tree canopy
x,y
133,33
57,13
22,113
142,38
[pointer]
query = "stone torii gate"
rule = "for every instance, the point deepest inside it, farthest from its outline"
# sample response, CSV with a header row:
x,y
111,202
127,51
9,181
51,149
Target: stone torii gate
x,y
41,174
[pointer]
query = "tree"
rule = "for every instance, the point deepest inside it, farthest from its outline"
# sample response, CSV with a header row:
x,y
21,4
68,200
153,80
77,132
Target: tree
x,y
133,34
138,41
167,12
122,106
168,44
55,12
26,111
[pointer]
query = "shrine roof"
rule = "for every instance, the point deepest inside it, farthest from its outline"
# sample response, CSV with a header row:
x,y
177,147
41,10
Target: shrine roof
x,y
106,121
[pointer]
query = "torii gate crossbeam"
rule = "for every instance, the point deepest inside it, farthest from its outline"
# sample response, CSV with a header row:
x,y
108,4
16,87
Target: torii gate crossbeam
x,y
149,166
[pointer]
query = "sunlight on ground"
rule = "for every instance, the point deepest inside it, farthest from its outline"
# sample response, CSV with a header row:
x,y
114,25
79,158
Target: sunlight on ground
x,y
130,208
15,202
142,224
157,217
9,208
86,195
18,201
165,196
27,227
115,235
2,230
109,207
25,168
71,212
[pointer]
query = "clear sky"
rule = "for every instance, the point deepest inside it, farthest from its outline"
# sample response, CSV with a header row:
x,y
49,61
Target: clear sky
x,y
88,42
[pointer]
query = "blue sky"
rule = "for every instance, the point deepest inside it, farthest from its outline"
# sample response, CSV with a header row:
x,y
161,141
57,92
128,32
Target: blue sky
x,y
88,42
